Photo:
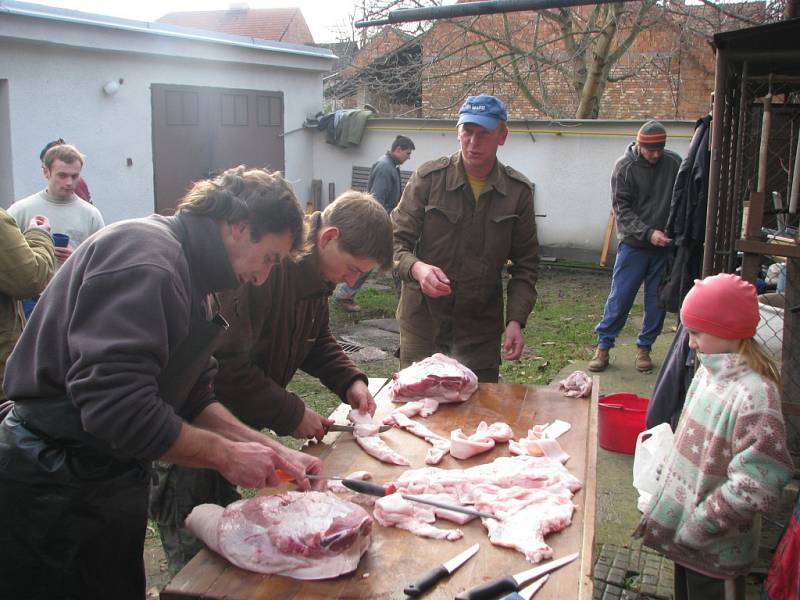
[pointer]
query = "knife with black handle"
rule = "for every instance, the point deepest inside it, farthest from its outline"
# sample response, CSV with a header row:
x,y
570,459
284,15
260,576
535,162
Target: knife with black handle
x,y
513,583
434,576
426,582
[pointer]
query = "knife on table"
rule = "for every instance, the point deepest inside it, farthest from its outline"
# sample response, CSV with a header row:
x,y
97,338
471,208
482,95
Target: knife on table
x,y
513,583
528,592
376,489
432,577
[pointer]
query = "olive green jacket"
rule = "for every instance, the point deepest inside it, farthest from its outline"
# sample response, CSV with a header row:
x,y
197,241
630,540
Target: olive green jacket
x,y
26,265
439,222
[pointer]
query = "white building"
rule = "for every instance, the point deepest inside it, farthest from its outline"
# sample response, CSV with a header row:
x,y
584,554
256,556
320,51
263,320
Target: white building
x,y
152,106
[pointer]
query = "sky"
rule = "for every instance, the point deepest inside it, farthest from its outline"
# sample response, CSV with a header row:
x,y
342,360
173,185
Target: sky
x,y
325,18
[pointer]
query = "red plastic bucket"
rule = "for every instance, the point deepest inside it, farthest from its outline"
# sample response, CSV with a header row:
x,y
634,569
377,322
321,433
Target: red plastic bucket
x,y
620,421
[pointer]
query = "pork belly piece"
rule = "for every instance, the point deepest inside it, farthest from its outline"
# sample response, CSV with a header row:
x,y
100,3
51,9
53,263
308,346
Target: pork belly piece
x,y
440,445
395,511
438,377
424,408
526,516
531,496
464,446
304,535
366,435
538,442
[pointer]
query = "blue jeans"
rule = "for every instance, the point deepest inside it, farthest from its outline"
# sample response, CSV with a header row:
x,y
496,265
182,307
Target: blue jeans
x,y
633,267
346,293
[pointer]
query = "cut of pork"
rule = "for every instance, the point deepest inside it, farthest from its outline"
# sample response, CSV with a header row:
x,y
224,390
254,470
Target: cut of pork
x,y
531,496
438,378
463,446
540,442
366,435
395,511
304,535
440,446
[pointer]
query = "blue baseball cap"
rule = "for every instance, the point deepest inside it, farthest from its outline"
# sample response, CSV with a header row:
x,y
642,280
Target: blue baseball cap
x,y
484,110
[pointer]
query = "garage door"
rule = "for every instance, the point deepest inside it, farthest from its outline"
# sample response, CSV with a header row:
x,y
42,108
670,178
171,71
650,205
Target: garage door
x,y
201,131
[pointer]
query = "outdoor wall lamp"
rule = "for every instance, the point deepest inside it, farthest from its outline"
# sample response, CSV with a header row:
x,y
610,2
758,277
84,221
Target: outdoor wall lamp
x,y
112,87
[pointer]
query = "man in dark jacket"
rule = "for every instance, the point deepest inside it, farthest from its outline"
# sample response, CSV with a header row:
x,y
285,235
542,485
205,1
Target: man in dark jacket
x,y
460,220
385,184
641,191
114,370
274,330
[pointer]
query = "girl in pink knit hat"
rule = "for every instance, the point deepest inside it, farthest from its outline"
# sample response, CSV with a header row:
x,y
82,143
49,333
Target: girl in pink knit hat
x,y
729,462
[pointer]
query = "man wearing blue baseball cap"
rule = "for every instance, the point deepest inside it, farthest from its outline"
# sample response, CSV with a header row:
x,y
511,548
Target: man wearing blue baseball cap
x,y
460,220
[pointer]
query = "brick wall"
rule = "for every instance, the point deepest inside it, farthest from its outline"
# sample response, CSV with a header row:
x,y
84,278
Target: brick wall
x,y
666,73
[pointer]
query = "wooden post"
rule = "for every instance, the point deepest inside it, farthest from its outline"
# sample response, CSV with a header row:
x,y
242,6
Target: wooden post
x,y
607,239
751,262
316,196
331,192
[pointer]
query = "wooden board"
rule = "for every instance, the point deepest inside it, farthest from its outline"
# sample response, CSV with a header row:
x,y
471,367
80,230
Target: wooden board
x,y
396,557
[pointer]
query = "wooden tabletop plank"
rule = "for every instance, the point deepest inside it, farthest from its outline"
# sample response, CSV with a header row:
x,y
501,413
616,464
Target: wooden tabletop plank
x,y
396,557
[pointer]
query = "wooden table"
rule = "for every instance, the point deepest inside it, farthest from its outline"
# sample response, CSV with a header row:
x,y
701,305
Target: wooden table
x,y
396,557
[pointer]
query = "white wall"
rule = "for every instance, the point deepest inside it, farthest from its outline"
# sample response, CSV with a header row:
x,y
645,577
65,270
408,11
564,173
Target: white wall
x,y
55,90
569,162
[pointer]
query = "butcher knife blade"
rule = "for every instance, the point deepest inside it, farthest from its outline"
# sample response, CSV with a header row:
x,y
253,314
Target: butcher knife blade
x,y
530,591
513,583
351,428
432,577
376,489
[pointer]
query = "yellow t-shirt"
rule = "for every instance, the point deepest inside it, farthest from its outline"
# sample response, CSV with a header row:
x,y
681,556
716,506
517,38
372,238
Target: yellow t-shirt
x,y
477,184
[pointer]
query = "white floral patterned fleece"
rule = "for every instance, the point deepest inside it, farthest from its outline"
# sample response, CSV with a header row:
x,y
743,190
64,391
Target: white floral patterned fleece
x,y
729,463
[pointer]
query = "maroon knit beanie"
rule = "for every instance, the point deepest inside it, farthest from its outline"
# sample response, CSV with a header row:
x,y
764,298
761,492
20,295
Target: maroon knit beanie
x,y
652,135
723,305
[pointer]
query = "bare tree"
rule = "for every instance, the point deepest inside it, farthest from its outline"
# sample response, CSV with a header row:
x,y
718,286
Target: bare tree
x,y
555,62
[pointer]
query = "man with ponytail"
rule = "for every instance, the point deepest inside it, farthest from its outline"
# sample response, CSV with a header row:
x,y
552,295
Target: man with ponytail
x,y
729,461
114,371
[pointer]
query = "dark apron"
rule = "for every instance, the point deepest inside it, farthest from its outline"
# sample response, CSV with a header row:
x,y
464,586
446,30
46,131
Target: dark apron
x,y
73,512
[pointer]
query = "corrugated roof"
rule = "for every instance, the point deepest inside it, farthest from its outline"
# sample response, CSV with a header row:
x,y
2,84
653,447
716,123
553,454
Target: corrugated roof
x,y
279,24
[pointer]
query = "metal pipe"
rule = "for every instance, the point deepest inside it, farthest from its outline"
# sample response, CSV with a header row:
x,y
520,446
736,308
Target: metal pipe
x,y
763,150
470,9
720,81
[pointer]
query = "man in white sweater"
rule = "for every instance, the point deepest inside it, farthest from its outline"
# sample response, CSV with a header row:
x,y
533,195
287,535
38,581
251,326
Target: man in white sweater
x,y
67,213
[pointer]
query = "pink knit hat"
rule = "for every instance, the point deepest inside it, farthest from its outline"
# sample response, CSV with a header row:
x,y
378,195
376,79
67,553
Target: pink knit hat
x,y
723,305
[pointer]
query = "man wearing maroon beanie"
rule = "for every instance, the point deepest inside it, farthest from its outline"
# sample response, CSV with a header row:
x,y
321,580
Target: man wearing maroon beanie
x,y
641,191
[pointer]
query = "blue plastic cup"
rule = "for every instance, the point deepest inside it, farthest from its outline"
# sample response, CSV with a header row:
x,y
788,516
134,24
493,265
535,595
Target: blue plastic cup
x,y
60,240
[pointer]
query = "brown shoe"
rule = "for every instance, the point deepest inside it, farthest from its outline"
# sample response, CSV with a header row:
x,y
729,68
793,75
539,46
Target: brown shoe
x,y
643,362
599,361
348,306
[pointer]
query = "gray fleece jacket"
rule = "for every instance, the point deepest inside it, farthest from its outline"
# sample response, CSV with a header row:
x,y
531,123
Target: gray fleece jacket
x,y
641,194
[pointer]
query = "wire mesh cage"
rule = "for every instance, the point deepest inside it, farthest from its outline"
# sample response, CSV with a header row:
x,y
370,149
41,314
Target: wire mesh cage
x,y
753,219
